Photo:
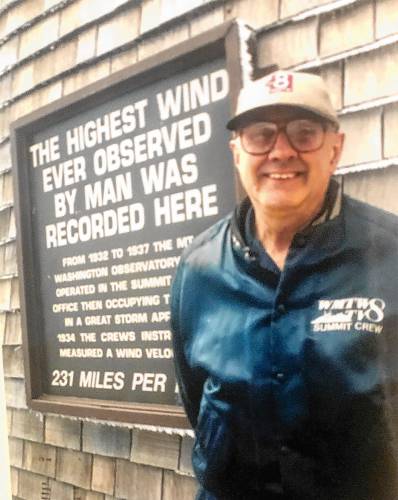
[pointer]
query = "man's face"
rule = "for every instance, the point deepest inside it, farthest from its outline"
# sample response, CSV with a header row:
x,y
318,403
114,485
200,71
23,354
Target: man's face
x,y
283,179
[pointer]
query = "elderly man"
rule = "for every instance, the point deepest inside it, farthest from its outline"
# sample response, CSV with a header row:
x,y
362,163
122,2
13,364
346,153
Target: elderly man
x,y
284,316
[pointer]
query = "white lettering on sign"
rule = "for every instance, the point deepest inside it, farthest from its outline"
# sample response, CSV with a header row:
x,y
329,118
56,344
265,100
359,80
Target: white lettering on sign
x,y
119,286
71,291
155,335
65,307
129,318
166,175
131,302
186,205
64,203
62,378
184,241
109,190
179,135
45,152
66,337
193,94
162,245
102,380
84,274
74,260
113,157
121,171
117,336
98,320
91,305
159,316
155,143
149,382
128,352
142,266
64,174
152,282
88,336
156,353
124,219
70,352
110,126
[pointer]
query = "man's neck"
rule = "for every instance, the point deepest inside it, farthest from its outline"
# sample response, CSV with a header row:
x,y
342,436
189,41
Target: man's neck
x,y
276,230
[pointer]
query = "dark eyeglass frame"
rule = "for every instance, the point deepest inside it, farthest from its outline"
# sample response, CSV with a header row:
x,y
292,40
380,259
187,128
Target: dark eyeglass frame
x,y
325,125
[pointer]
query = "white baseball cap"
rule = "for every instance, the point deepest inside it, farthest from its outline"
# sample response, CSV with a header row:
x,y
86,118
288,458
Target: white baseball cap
x,y
283,88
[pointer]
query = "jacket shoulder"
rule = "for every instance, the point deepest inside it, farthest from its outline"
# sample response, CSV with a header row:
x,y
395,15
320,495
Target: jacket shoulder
x,y
369,217
205,238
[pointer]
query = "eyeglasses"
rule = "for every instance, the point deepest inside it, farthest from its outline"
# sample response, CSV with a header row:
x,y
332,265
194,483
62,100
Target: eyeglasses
x,y
304,136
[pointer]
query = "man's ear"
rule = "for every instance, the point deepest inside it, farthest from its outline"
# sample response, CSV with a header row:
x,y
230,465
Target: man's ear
x,y
235,150
337,150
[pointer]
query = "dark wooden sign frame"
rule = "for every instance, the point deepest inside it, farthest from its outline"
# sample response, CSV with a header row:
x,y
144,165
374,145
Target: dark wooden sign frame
x,y
220,42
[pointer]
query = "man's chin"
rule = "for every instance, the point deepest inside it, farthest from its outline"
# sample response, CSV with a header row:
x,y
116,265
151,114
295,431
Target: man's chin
x,y
278,203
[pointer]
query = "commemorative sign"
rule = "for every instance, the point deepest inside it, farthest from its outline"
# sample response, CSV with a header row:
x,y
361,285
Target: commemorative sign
x,y
111,187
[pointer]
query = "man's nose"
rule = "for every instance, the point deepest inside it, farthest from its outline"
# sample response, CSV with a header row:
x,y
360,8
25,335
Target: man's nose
x,y
282,149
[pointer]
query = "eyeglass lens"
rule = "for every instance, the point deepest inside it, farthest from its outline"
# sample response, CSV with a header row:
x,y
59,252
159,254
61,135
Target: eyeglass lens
x,y
303,136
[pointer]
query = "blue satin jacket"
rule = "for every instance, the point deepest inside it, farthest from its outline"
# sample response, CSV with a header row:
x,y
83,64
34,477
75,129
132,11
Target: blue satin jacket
x,y
290,378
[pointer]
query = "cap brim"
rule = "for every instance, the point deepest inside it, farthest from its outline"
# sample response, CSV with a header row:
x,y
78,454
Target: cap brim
x,y
256,114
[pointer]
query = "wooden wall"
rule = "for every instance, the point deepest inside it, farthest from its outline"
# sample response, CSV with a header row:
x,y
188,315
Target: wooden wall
x,y
50,48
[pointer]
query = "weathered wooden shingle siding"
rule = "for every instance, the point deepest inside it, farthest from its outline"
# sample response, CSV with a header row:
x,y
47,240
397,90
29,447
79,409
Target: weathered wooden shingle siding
x,y
50,48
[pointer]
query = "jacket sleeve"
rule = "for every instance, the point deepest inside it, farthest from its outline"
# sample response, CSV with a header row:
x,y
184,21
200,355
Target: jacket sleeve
x,y
189,383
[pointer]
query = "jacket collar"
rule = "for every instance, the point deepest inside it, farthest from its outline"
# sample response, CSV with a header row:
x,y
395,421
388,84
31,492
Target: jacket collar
x,y
331,209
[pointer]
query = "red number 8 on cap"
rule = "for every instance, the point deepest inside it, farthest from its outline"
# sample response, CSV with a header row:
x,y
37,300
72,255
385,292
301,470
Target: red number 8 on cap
x,y
282,82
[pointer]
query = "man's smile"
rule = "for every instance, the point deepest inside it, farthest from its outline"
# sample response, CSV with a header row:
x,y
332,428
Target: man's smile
x,y
281,173
284,176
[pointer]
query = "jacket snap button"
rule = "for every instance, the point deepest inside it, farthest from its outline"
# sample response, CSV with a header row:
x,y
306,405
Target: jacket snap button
x,y
301,241
280,375
281,309
250,256
284,450
236,242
